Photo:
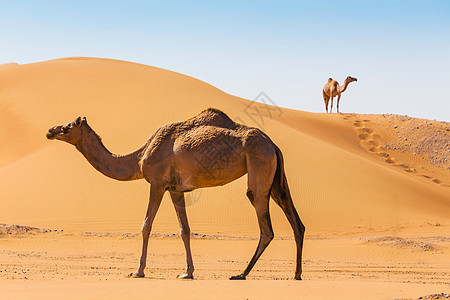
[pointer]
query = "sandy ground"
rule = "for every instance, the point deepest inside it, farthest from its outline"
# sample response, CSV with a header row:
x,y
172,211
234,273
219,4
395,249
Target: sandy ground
x,y
372,190
93,265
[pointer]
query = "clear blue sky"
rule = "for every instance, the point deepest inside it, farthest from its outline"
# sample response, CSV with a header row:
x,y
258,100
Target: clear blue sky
x,y
398,50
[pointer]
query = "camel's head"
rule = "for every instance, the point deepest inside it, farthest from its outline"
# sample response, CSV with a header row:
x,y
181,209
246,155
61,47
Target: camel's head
x,y
70,132
350,79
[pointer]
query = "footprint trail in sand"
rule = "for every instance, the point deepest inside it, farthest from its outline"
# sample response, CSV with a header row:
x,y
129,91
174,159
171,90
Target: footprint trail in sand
x,y
398,149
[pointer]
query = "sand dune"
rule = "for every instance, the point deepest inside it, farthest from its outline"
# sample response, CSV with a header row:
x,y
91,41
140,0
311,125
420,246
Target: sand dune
x,y
335,165
372,190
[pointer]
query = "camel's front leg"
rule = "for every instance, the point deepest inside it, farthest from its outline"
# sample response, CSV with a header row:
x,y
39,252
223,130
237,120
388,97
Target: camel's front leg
x,y
180,208
339,98
156,195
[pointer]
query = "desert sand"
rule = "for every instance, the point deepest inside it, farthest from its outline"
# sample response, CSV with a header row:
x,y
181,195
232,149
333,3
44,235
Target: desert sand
x,y
372,190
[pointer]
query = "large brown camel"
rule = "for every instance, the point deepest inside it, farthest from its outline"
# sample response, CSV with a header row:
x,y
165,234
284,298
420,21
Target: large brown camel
x,y
332,89
205,151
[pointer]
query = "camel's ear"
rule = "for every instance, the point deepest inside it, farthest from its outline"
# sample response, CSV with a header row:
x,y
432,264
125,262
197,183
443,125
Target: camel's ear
x,y
80,120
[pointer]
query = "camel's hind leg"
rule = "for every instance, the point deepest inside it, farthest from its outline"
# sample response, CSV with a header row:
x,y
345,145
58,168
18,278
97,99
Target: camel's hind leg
x,y
282,196
299,231
326,99
180,208
260,177
261,204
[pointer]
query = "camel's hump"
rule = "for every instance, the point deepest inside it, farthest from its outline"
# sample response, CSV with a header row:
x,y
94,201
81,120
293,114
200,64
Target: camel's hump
x,y
215,112
213,117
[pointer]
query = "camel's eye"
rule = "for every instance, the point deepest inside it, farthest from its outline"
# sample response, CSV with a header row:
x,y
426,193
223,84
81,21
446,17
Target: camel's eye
x,y
65,129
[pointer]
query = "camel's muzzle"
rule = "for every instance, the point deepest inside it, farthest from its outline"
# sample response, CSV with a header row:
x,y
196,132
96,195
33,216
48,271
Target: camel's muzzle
x,y
50,135
52,132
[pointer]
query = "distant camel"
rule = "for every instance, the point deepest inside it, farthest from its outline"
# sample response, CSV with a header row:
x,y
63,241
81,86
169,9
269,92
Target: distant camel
x,y
205,151
332,89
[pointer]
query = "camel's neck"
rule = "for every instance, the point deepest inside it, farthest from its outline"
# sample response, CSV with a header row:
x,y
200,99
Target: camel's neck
x,y
120,167
344,87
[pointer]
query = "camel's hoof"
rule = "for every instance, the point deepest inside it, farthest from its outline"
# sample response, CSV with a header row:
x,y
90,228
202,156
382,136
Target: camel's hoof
x,y
136,275
298,278
185,276
238,277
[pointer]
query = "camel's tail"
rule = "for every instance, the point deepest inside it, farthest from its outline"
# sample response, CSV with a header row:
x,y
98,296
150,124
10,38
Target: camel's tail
x,y
282,196
280,189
